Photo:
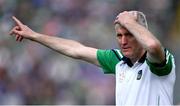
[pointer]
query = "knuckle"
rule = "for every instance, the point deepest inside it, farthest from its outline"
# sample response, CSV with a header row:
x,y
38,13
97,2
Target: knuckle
x,y
24,26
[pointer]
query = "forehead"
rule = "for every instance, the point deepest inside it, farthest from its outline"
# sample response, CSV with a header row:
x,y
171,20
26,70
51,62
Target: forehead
x,y
120,29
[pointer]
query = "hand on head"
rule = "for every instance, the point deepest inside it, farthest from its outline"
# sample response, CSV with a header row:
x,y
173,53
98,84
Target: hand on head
x,y
126,17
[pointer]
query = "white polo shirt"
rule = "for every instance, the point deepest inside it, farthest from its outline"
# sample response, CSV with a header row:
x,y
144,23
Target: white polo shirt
x,y
142,83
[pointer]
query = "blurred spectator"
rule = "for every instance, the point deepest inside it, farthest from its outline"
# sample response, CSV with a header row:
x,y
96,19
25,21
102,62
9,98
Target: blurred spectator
x,y
33,74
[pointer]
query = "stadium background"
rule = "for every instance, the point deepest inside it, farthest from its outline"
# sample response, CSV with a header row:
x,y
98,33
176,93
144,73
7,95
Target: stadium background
x,y
33,74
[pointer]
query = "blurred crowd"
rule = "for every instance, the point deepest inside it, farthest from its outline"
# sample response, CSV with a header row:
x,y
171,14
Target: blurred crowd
x,y
33,74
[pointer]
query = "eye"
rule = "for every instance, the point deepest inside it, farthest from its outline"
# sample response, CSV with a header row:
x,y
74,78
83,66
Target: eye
x,y
119,35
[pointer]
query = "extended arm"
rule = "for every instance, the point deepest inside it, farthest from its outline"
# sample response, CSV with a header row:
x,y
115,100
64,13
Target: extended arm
x,y
64,46
68,47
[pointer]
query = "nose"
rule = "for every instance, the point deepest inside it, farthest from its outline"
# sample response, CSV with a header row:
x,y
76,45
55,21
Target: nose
x,y
124,40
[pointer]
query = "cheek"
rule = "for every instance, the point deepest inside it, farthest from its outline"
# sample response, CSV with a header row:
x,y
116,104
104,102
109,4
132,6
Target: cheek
x,y
136,46
118,41
133,41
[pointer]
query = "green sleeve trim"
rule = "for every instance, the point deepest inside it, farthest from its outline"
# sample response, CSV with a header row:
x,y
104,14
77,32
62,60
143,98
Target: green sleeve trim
x,y
162,70
107,60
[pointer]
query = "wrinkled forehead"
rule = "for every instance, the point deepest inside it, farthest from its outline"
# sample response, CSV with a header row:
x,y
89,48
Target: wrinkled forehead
x,y
117,26
120,29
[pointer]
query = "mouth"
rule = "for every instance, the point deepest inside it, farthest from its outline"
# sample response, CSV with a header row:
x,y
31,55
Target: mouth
x,y
125,49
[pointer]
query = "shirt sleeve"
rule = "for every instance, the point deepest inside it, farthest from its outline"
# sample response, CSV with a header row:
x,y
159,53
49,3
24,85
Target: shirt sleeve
x,y
107,60
164,68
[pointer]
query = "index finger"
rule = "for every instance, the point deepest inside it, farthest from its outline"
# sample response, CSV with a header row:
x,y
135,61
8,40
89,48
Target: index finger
x,y
19,23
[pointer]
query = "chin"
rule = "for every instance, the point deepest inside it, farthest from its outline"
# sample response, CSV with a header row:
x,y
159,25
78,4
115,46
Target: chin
x,y
127,54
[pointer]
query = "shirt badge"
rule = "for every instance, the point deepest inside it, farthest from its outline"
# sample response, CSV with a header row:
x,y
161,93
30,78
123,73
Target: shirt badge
x,y
139,75
122,76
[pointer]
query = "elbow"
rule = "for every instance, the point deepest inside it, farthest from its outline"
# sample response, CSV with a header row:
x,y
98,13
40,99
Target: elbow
x,y
75,56
75,53
69,52
154,46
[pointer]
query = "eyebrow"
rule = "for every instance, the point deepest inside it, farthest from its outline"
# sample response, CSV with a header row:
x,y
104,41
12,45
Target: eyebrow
x,y
128,33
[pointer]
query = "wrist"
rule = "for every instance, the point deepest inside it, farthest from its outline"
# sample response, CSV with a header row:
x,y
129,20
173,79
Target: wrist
x,y
35,36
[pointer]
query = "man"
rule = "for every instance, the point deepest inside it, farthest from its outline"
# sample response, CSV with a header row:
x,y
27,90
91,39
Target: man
x,y
145,71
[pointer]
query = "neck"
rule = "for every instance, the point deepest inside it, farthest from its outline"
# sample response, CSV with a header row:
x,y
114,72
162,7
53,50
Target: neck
x,y
137,57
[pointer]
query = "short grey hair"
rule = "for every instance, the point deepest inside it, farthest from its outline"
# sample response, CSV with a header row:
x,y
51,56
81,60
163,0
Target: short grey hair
x,y
141,18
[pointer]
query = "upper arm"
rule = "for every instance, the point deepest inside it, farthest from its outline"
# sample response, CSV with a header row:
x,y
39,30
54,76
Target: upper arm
x,y
88,54
163,68
105,59
108,59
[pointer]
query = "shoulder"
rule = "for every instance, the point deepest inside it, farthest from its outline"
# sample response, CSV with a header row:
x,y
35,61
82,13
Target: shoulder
x,y
110,53
163,68
109,58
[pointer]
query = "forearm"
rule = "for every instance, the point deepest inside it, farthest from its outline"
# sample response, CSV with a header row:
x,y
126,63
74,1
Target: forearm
x,y
64,46
148,41
143,36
